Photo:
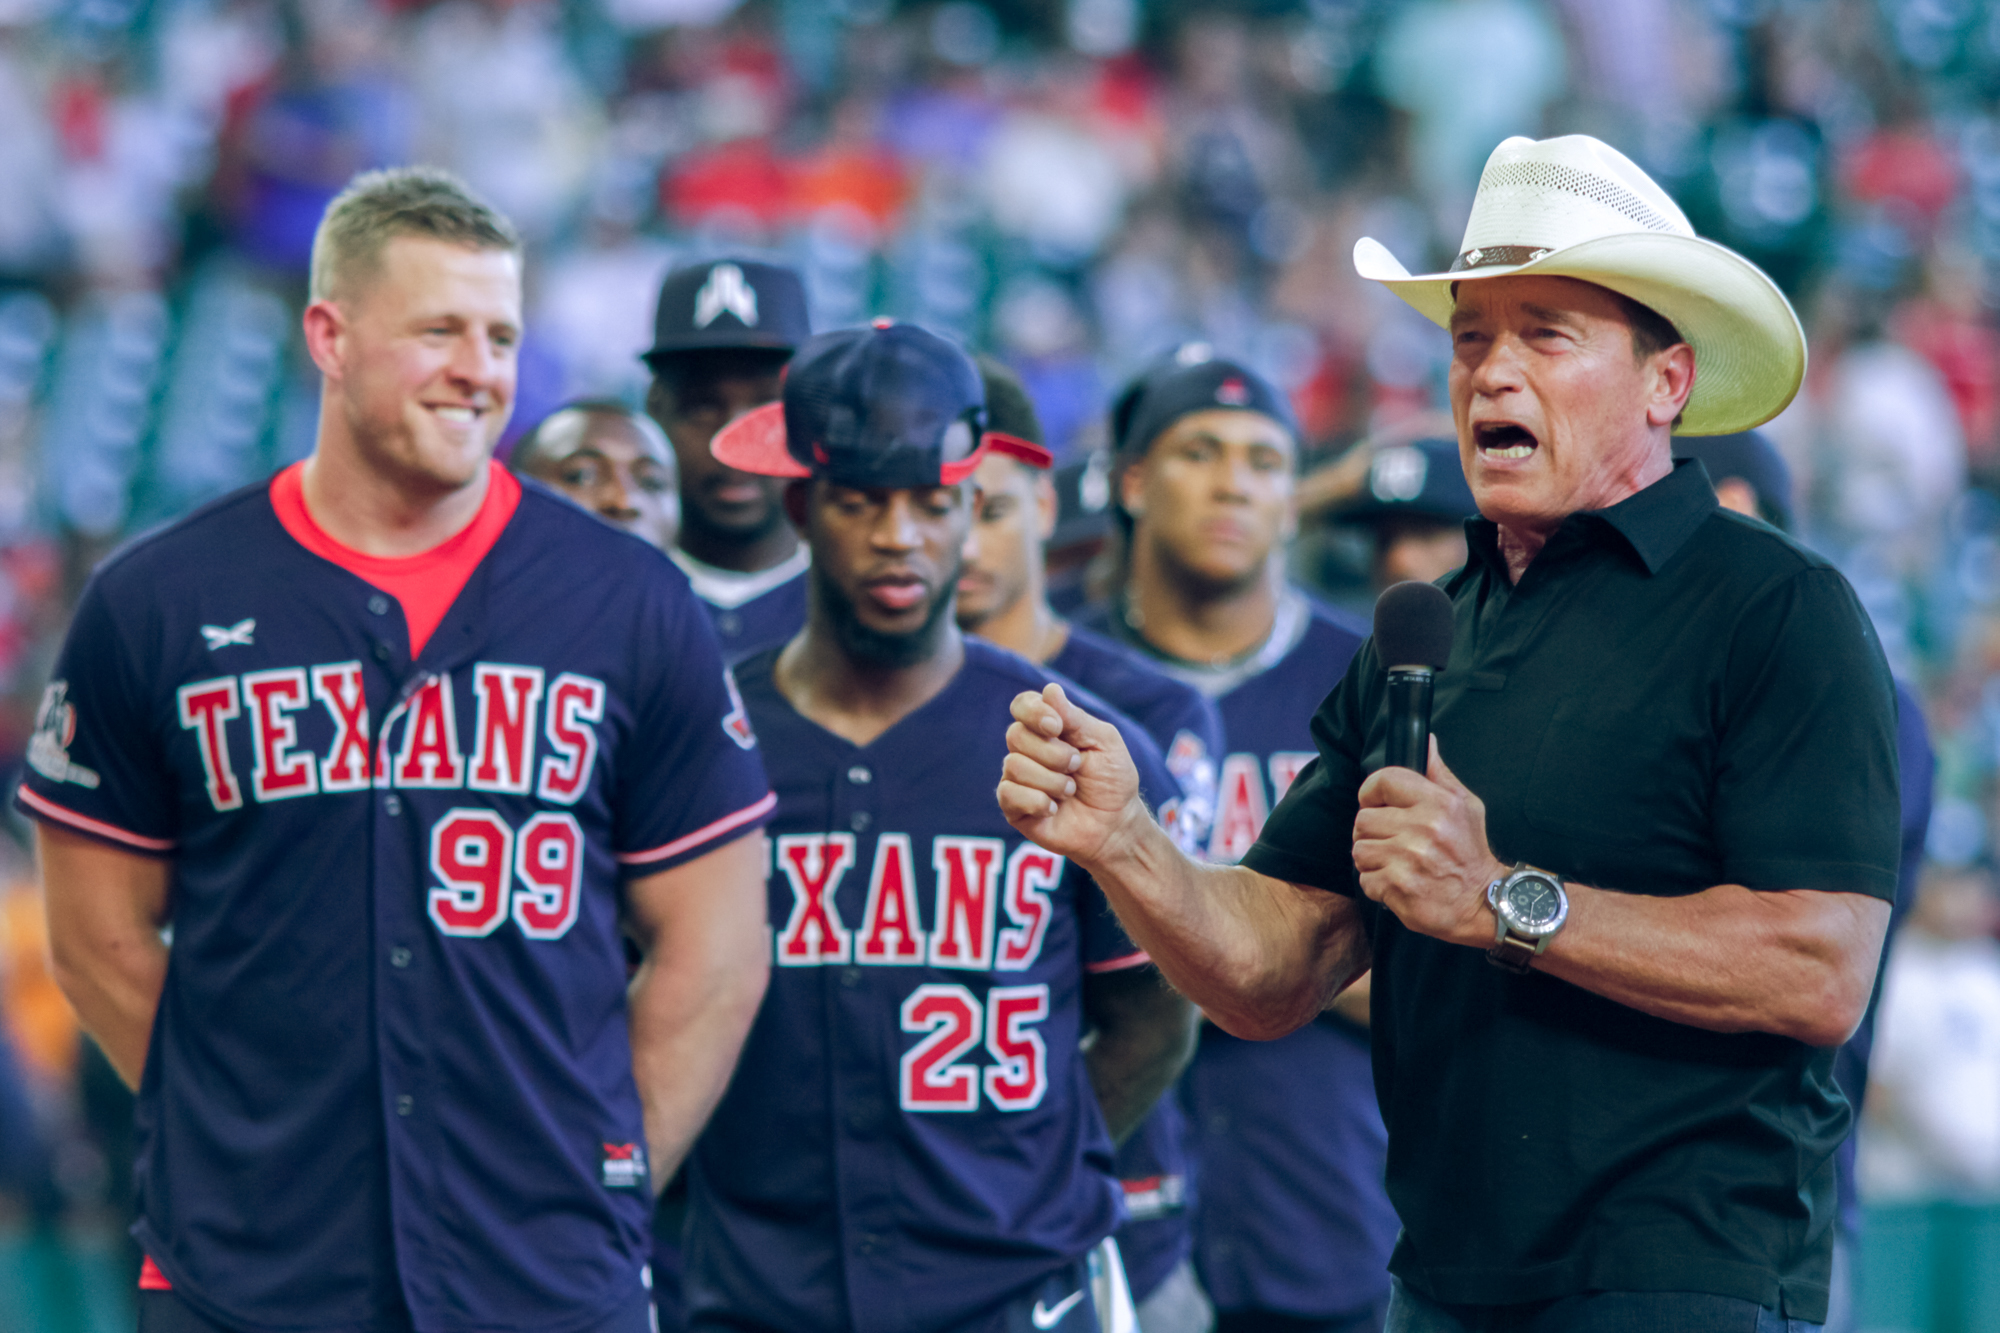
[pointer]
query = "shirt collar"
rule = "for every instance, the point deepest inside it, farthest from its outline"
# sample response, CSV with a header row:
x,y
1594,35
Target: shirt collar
x,y
1655,523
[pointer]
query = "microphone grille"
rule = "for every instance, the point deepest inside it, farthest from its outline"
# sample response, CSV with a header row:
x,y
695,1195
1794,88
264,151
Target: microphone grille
x,y
1413,626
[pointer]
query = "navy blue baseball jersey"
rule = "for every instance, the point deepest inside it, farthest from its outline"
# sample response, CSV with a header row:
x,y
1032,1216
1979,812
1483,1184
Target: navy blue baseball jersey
x,y
1290,1149
390,1080
1153,1164
911,1136
750,612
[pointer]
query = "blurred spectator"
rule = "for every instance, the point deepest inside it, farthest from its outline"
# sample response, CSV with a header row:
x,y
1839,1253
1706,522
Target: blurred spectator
x,y
1932,1129
1436,62
330,108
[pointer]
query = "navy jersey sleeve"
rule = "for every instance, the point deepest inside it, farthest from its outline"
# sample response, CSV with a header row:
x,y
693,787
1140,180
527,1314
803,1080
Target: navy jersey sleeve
x,y
95,763
689,778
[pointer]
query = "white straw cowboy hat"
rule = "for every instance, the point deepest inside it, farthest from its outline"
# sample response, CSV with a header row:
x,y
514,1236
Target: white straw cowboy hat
x,y
1577,208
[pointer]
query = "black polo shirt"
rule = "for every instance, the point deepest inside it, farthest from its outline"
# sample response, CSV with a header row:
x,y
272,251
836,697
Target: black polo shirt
x,y
1673,697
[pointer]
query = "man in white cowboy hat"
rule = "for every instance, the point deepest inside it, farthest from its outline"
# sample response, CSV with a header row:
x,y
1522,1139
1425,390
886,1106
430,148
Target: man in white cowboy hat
x,y
1616,941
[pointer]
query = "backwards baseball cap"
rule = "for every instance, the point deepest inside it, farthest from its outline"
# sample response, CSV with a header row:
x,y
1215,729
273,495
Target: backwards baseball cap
x,y
729,303
1421,479
1191,379
887,406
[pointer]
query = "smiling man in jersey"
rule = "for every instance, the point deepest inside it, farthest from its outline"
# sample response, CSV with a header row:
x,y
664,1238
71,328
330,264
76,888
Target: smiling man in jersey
x,y
914,1140
1291,1222
398,780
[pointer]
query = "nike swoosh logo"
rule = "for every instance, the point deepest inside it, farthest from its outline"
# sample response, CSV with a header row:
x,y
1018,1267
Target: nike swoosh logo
x,y
1047,1318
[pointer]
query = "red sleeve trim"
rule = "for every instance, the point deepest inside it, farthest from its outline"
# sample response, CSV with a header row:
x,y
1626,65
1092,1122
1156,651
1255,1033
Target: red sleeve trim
x,y
706,833
151,1278
1139,959
47,809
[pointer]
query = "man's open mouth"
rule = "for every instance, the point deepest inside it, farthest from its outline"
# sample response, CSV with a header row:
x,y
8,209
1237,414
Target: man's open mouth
x,y
1503,439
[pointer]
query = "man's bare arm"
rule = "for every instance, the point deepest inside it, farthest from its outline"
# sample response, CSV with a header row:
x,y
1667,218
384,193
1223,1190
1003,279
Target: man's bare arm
x,y
1141,1037
1798,963
1261,957
707,959
105,909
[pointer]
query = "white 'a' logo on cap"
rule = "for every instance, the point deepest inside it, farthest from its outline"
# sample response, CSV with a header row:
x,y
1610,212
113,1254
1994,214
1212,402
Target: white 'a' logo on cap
x,y
725,290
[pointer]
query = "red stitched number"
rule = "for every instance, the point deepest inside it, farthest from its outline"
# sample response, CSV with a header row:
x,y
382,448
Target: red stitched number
x,y
476,857
952,1017
1021,1076
470,851
931,1081
548,856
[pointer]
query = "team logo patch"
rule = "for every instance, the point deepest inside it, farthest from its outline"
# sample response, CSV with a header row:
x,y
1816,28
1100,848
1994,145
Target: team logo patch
x,y
725,290
1233,392
623,1165
224,636
1154,1196
55,728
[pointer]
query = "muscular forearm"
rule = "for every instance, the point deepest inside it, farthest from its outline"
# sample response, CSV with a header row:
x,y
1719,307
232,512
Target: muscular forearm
x,y
688,1025
114,985
1729,959
105,908
1261,957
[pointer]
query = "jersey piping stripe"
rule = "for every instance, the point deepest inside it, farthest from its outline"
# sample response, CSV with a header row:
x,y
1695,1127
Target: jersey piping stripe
x,y
701,835
62,815
1139,959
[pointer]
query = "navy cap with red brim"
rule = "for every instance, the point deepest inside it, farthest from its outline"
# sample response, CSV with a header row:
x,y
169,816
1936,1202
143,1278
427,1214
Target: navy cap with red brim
x,y
755,442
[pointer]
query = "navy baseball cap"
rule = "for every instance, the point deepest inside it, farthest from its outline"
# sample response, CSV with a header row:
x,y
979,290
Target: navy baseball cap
x,y
887,406
729,303
1191,379
1421,479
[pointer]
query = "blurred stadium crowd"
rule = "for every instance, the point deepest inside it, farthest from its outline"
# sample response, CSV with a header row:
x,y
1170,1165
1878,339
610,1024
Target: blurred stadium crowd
x,y
1073,185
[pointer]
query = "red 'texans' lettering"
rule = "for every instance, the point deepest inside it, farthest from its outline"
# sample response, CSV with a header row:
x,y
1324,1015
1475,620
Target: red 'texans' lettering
x,y
205,706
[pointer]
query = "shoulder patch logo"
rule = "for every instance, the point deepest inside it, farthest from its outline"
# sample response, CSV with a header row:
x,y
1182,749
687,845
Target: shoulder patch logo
x,y
223,636
55,728
725,290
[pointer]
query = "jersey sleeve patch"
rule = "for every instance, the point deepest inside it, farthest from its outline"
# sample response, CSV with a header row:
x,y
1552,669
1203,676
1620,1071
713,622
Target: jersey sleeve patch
x,y
706,833
43,807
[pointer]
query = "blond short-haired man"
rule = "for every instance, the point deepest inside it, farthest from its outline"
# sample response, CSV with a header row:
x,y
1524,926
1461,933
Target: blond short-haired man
x,y
397,780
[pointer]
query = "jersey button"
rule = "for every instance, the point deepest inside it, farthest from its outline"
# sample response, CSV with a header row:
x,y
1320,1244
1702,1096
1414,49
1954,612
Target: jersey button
x,y
729,624
860,820
405,1103
399,957
379,604
868,1244
859,775
850,977
392,805
382,653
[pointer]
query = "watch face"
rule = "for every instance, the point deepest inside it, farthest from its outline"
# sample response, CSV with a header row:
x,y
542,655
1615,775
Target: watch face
x,y
1534,905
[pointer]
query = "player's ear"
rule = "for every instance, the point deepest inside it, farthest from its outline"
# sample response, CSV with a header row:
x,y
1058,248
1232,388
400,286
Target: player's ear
x,y
1132,488
326,332
1046,506
798,502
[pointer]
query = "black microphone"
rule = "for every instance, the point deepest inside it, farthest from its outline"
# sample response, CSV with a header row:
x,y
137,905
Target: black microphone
x,y
1413,639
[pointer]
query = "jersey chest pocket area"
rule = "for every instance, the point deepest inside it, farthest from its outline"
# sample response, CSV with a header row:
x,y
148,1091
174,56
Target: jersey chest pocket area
x,y
1618,770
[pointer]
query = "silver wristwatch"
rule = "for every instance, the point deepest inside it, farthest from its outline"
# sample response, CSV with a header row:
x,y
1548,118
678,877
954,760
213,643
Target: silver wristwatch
x,y
1529,907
